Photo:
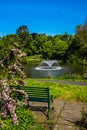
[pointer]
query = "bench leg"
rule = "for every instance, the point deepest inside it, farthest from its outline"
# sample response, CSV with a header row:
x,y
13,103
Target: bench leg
x,y
48,113
52,105
50,108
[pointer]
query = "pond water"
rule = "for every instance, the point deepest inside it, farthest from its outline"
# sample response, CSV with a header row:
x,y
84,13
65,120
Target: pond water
x,y
37,71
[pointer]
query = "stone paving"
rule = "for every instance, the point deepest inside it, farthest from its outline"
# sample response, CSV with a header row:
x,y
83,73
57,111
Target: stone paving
x,y
63,117
69,115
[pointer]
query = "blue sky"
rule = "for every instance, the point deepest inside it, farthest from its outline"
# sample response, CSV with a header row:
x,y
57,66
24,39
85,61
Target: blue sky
x,y
42,16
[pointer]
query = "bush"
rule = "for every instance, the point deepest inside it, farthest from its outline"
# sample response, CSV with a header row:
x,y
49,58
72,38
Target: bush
x,y
26,121
74,59
73,76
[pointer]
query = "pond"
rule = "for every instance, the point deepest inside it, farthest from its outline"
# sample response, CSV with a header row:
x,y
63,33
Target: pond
x,y
44,71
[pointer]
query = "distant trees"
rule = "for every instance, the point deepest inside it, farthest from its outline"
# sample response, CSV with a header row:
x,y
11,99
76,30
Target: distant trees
x,y
6,44
77,50
81,38
59,48
72,54
65,47
23,34
47,50
22,31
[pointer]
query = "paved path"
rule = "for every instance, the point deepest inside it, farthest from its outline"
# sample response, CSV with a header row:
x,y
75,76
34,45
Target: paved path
x,y
65,114
63,117
65,82
69,113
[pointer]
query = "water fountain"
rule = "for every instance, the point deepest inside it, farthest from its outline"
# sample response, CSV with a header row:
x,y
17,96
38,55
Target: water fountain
x,y
47,68
49,65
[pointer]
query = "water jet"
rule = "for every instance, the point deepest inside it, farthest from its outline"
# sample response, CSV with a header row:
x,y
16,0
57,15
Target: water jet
x,y
49,65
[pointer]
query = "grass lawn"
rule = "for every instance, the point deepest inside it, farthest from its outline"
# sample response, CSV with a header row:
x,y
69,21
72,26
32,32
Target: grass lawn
x,y
61,91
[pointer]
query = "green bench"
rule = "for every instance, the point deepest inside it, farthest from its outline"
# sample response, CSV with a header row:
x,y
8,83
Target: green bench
x,y
38,94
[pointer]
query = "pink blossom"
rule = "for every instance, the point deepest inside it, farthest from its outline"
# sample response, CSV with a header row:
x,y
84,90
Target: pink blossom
x,y
9,104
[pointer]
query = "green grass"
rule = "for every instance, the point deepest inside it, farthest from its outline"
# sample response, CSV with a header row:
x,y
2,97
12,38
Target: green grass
x,y
62,91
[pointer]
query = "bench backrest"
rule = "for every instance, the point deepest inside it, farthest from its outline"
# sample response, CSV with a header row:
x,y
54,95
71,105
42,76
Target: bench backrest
x,y
36,93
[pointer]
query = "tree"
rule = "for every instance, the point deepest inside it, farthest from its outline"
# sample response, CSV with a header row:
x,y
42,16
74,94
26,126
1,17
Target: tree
x,y
22,30
81,38
6,43
77,49
47,50
23,34
72,54
59,48
38,41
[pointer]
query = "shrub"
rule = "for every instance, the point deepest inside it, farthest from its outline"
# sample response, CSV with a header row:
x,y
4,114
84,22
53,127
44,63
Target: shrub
x,y
26,121
73,76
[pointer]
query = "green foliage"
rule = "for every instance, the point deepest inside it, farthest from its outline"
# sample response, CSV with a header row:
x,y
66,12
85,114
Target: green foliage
x,y
72,54
69,48
73,77
84,76
22,29
6,44
47,49
31,60
26,121
23,36
59,48
81,37
74,59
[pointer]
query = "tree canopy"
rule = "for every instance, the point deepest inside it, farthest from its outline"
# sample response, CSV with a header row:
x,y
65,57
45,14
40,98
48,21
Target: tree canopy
x,y
65,47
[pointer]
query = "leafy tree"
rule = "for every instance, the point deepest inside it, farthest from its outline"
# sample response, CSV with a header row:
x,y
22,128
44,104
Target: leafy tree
x,y
47,50
59,48
33,35
6,43
23,34
77,49
22,30
38,41
72,54
81,37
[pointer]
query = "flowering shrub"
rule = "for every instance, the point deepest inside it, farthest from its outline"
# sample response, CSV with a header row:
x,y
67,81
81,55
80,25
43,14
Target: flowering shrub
x,y
11,65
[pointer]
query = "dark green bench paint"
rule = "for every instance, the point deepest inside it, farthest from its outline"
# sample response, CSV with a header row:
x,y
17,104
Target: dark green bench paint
x,y
38,94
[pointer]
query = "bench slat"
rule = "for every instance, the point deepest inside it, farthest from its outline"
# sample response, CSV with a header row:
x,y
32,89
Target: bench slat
x,y
38,99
